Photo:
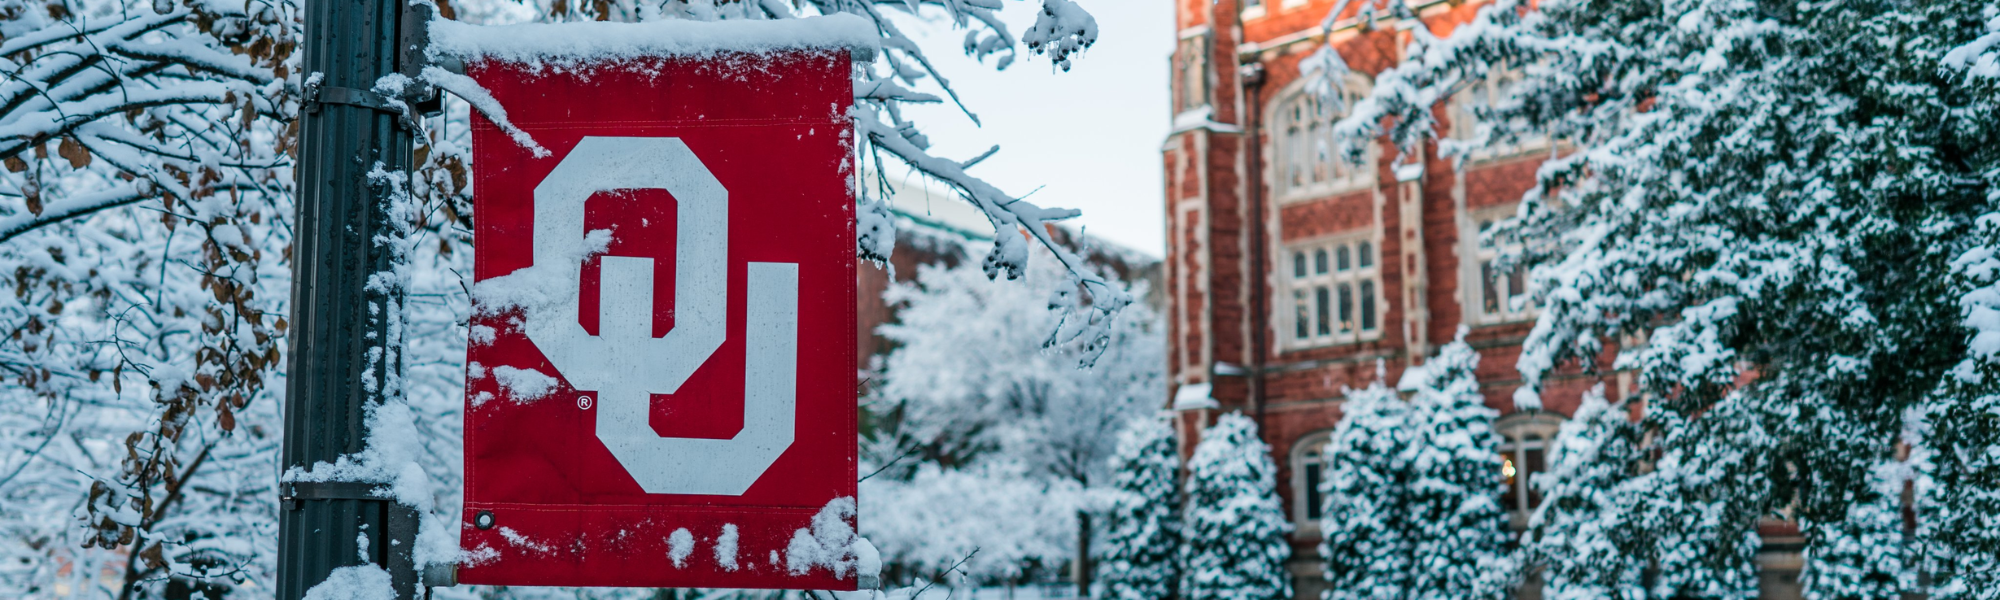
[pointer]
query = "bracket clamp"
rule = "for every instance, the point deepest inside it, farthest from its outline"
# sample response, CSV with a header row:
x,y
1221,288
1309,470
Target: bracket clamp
x,y
291,492
328,94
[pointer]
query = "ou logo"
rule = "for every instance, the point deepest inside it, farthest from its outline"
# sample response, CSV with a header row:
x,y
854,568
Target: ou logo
x,y
624,363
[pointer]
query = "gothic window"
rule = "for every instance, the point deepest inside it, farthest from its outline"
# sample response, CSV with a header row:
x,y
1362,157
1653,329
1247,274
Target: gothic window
x,y
1308,472
1308,158
1499,293
1527,435
1334,287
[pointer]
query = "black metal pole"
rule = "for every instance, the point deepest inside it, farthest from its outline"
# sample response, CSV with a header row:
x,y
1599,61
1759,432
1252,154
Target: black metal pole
x,y
344,133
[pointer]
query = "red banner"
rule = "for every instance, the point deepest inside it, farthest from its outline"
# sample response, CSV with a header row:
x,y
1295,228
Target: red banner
x,y
660,384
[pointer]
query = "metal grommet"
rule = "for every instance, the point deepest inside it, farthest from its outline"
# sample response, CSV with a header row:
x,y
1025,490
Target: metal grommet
x,y
483,520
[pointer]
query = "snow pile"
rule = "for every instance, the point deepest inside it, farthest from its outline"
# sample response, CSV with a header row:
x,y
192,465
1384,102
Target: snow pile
x,y
867,560
832,545
1061,29
570,44
392,452
524,385
538,288
725,548
387,457
680,544
364,582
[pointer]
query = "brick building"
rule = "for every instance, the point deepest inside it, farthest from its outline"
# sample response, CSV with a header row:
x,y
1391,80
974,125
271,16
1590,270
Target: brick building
x,y
1291,274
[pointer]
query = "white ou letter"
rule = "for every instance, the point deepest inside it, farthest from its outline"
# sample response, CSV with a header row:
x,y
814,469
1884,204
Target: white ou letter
x,y
624,363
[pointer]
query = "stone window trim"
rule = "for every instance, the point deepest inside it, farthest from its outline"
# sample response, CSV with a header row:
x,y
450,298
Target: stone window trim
x,y
1302,160
1308,466
1529,434
1492,296
1330,291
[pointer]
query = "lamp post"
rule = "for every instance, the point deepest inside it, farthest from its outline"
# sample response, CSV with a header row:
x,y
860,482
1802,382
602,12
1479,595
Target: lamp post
x,y
345,131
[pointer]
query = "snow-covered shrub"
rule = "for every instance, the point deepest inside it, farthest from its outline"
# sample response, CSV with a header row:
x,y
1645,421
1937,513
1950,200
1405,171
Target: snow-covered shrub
x,y
1861,557
1583,536
1142,526
1455,481
1367,533
1958,501
1703,500
1235,537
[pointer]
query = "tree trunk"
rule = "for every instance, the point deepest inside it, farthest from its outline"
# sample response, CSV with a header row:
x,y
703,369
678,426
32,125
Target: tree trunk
x,y
1081,568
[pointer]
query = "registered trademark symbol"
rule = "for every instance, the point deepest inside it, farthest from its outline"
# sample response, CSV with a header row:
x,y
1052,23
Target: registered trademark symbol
x,y
583,402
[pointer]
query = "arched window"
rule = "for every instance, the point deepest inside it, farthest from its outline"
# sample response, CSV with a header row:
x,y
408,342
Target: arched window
x,y
1308,462
1309,161
1528,434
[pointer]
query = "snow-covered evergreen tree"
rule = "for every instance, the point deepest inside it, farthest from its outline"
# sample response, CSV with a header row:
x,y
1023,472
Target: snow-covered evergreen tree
x,y
1142,527
1582,536
1235,534
1703,499
1367,531
1460,550
1958,516
1860,557
1782,201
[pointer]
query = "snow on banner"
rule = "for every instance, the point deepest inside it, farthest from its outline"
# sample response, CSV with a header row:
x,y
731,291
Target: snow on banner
x,y
667,269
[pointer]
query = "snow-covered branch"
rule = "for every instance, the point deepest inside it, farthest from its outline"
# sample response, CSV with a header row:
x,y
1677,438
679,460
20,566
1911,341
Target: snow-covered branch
x,y
1009,255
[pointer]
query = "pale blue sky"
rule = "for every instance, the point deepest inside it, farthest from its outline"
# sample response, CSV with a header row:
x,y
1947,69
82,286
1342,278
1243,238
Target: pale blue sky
x,y
1089,138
